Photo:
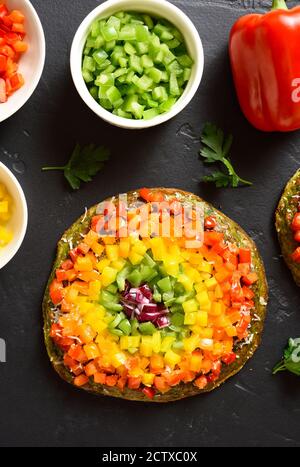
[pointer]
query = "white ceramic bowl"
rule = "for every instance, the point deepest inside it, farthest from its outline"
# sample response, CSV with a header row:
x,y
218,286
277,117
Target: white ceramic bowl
x,y
31,63
19,220
160,8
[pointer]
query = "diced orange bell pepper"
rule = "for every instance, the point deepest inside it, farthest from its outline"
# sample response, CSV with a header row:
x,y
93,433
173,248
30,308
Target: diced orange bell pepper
x,y
81,380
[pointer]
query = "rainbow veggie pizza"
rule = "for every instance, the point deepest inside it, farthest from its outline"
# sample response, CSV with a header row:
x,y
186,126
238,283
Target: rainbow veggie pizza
x,y
288,225
153,317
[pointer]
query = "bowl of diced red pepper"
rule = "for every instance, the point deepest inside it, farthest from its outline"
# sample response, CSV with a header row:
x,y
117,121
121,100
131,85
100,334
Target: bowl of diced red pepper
x,y
22,54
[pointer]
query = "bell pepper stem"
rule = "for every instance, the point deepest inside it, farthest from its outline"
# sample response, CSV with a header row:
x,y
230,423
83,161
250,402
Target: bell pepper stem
x,y
279,5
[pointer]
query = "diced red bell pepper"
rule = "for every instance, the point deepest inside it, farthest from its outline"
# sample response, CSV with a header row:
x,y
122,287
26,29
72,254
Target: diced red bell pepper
x,y
81,380
213,238
245,255
147,195
250,279
56,291
61,275
16,16
296,255
67,265
74,254
134,382
111,380
3,96
3,10
229,358
297,236
210,222
16,81
296,222
3,63
149,392
201,382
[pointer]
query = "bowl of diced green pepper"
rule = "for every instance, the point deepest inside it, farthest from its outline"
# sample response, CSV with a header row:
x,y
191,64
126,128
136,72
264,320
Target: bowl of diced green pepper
x,y
137,63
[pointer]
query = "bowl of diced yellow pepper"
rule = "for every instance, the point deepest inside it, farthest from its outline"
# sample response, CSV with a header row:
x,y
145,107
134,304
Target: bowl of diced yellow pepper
x,y
13,215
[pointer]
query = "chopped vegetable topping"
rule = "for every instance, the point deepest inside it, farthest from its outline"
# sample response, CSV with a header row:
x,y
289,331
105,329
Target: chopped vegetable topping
x,y
6,204
12,45
84,164
150,313
295,226
216,150
135,66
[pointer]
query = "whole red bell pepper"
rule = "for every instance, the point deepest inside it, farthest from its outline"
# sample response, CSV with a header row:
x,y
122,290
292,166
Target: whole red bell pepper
x,y
265,59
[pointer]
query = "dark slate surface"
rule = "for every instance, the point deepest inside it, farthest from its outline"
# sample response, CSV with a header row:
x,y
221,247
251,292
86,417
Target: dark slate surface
x,y
36,407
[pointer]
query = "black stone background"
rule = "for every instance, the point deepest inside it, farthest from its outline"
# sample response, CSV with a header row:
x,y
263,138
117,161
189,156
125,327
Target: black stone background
x,y
36,407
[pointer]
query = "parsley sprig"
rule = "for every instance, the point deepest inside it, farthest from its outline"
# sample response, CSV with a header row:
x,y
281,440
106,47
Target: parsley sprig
x,y
84,164
291,358
215,150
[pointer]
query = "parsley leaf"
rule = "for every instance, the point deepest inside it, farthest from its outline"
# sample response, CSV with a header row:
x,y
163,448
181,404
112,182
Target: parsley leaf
x,y
216,149
84,164
291,358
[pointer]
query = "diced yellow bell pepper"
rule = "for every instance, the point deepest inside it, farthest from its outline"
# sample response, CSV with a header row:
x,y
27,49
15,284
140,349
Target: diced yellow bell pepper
x,y
211,283
5,236
91,238
171,267
139,247
222,321
218,348
193,274
203,300
119,264
218,292
128,342
195,362
158,248
146,346
217,309
167,343
108,276
71,294
190,306
191,343
202,318
103,263
97,248
124,247
205,266
94,289
91,350
186,282
86,307
190,318
200,287
118,359
231,331
206,333
135,258
83,264
156,342
196,258
112,252
148,379
86,333
3,207
172,358
109,240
